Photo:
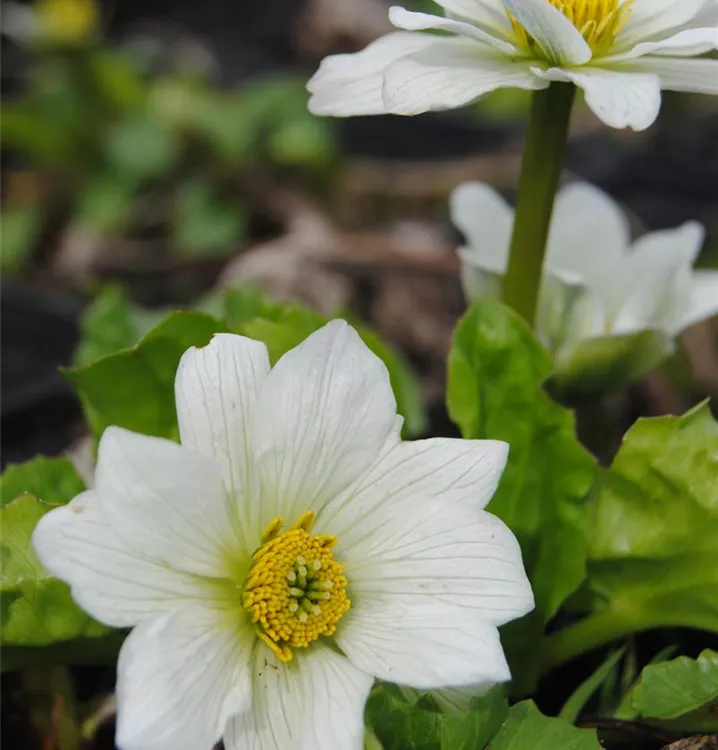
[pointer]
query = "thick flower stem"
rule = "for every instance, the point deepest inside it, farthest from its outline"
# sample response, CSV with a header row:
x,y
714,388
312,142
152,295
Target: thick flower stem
x,y
546,137
586,635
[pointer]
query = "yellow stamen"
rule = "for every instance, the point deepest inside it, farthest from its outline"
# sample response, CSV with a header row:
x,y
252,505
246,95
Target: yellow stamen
x,y
295,591
598,21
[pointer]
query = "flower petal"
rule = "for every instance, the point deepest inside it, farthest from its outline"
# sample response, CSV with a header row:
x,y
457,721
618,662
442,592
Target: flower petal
x,y
450,470
685,43
216,388
351,84
431,552
422,645
486,221
559,40
180,678
589,237
651,283
450,73
649,18
675,74
323,415
165,500
411,21
489,15
117,586
619,98
314,701
703,299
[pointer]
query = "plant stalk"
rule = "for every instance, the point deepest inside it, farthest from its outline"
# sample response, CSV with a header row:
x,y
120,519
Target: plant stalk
x,y
546,137
586,635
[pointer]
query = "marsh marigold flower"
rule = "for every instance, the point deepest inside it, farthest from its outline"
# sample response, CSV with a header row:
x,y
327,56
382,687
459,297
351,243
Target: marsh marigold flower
x,y
291,549
620,52
597,283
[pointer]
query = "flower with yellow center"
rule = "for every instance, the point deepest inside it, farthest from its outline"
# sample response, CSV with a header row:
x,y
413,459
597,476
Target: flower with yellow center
x,y
620,52
287,552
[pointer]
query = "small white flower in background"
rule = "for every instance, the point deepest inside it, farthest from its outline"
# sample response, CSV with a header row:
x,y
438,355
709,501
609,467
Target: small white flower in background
x,y
289,551
597,283
620,52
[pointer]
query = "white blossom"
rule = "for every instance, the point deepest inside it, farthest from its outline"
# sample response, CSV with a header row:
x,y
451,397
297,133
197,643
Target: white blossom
x,y
620,52
291,549
596,282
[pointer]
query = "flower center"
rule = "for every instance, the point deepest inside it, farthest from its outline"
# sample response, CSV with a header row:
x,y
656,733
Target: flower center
x,y
599,21
295,590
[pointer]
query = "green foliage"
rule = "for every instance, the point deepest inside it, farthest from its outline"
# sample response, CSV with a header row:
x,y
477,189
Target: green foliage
x,y
139,147
608,363
37,609
51,480
683,693
582,694
202,223
134,388
496,370
653,557
105,204
401,725
19,228
527,729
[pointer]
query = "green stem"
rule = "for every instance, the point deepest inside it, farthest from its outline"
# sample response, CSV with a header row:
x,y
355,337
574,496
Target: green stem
x,y
546,137
586,635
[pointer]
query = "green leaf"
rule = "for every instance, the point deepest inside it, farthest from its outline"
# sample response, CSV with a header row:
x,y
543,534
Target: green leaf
x,y
683,690
40,610
402,725
582,694
653,558
51,480
598,365
140,147
495,375
290,324
202,223
111,323
105,204
134,388
19,228
528,729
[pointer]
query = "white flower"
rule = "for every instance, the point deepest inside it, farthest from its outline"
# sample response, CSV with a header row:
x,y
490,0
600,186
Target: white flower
x,y
597,282
289,551
620,52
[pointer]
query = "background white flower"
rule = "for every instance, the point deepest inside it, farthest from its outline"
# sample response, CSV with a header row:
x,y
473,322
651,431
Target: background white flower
x,y
596,281
620,52
184,543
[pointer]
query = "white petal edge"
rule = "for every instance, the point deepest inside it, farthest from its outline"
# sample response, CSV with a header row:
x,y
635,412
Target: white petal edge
x,y
489,15
430,553
449,470
422,646
215,390
117,586
351,84
486,221
618,98
451,73
676,74
314,702
165,500
703,302
559,40
181,677
685,43
323,416
412,21
649,18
